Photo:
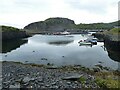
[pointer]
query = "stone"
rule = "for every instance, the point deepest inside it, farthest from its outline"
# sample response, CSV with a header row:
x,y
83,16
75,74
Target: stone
x,y
39,79
52,67
68,82
33,51
7,82
99,65
8,75
18,80
73,78
56,87
15,86
26,79
53,83
47,85
91,77
32,79
5,55
44,59
96,69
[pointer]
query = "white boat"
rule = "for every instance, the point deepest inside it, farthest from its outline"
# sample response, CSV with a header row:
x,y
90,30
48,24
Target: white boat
x,y
84,43
65,33
88,41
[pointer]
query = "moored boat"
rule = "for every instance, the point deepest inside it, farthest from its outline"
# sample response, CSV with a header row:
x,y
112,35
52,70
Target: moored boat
x,y
84,42
92,41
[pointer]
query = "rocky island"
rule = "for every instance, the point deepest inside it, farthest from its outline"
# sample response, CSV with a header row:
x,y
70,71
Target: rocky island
x,y
58,24
51,24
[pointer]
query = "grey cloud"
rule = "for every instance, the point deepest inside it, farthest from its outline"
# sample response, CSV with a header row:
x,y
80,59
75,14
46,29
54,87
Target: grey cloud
x,y
90,6
24,6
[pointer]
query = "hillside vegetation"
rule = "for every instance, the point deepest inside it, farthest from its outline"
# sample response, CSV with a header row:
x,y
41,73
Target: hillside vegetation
x,y
115,30
107,26
61,24
8,29
9,33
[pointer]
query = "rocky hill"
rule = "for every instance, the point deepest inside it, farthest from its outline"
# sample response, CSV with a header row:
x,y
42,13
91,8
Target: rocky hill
x,y
61,24
51,24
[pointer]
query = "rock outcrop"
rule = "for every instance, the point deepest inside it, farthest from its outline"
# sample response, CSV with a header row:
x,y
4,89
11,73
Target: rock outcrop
x,y
51,24
9,33
13,35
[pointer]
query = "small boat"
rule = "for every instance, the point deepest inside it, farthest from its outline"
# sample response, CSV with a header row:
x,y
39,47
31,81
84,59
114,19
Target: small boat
x,y
88,41
84,42
94,41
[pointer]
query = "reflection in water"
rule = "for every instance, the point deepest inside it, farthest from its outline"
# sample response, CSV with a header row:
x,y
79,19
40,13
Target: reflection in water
x,y
60,42
52,40
43,46
8,46
114,55
113,50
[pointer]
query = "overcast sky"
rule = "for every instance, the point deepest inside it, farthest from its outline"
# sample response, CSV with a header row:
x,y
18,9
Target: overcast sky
x,y
19,13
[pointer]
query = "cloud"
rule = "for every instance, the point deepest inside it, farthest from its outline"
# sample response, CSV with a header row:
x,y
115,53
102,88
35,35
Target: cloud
x,y
22,12
92,6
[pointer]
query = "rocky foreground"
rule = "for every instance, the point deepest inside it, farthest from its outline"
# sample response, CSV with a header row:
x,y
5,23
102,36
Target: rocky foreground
x,y
19,75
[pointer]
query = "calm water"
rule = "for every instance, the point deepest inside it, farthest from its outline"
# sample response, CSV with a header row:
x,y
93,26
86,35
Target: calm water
x,y
57,50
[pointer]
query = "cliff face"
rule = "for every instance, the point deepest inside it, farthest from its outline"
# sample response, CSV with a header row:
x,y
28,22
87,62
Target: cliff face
x,y
51,24
9,33
13,35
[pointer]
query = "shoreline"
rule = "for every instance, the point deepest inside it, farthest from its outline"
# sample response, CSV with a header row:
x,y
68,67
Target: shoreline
x,y
19,75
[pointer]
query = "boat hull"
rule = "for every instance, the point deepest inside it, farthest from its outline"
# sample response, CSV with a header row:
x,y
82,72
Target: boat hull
x,y
85,43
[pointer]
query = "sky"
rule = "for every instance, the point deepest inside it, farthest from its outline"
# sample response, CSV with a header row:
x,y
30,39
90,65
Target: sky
x,y
19,13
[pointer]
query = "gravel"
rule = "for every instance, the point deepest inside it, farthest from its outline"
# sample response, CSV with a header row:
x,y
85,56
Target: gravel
x,y
18,75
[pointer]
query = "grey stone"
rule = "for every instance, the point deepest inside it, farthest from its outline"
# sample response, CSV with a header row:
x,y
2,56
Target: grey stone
x,y
26,79
47,85
39,79
74,78
68,82
15,86
96,69
52,67
53,83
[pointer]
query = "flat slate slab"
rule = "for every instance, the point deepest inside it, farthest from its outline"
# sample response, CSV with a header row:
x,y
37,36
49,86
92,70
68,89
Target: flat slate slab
x,y
73,78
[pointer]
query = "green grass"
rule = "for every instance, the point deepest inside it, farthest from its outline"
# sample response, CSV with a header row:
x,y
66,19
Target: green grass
x,y
9,28
115,30
107,79
82,79
107,83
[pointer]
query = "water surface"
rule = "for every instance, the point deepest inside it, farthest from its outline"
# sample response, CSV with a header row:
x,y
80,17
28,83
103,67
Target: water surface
x,y
58,50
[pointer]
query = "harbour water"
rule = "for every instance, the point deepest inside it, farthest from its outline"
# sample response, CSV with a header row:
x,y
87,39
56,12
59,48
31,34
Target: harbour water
x,y
58,50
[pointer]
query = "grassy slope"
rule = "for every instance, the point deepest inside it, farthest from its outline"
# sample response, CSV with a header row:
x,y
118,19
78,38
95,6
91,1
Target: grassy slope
x,y
107,26
9,28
